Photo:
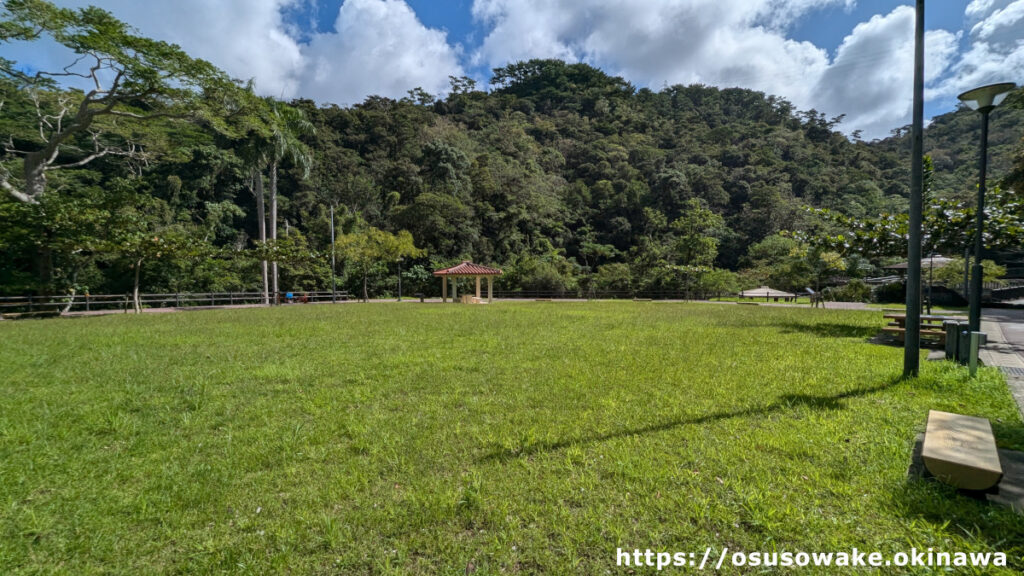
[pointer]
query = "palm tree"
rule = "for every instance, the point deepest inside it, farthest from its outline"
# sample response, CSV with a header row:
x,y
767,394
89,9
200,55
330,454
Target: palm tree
x,y
250,129
287,125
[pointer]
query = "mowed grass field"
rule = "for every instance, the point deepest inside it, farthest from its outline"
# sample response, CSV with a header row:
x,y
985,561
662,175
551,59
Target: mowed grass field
x,y
511,438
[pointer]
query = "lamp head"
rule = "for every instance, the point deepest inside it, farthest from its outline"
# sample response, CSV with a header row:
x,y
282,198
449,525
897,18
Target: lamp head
x,y
988,97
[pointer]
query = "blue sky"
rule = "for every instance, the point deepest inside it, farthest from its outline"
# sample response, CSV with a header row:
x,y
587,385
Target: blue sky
x,y
851,57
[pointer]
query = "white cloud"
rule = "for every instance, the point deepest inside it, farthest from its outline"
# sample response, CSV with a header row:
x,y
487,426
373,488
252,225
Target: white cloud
x,y
726,43
871,77
377,47
246,38
1001,24
381,47
996,51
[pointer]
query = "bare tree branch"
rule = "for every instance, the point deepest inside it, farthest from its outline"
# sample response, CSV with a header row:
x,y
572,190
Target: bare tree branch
x,y
18,194
100,150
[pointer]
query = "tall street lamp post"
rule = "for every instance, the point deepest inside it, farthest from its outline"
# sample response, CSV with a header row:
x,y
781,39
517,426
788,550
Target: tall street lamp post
x,y
983,100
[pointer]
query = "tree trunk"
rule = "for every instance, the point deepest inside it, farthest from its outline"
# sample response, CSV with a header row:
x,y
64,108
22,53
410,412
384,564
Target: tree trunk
x,y
366,298
35,175
135,290
273,219
257,181
44,267
71,303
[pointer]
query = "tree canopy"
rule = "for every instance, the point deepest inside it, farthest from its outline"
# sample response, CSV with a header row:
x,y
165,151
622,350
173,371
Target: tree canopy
x,y
568,178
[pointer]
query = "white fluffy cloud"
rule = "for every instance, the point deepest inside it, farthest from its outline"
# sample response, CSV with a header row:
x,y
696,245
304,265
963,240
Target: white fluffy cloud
x,y
377,46
871,77
726,43
996,51
246,38
381,47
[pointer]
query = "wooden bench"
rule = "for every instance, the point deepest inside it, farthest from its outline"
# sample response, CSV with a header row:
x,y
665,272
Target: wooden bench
x,y
419,295
961,451
939,335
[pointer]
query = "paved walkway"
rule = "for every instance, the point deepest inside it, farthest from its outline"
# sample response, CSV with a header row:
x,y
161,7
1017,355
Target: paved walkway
x,y
1005,348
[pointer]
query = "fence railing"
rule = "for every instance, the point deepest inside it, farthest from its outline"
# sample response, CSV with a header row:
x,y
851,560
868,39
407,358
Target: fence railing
x,y
107,302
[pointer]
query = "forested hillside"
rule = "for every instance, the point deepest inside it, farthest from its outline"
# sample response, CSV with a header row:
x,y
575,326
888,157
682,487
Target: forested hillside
x,y
564,176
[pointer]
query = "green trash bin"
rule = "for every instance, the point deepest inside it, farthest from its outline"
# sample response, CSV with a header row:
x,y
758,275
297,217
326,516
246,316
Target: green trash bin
x,y
963,346
952,338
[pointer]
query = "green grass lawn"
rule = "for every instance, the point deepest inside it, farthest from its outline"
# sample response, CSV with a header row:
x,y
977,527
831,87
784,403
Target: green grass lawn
x,y
516,438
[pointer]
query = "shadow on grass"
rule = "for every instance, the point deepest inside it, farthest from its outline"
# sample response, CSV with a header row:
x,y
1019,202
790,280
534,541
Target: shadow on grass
x,y
1009,434
830,329
781,404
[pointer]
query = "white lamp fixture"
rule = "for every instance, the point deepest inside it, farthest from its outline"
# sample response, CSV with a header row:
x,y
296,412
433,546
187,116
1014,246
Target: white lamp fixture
x,y
988,97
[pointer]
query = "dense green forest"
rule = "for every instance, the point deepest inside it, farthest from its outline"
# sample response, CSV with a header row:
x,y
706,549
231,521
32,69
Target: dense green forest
x,y
567,178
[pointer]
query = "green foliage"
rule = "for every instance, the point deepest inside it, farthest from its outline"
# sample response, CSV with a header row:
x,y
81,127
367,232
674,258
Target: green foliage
x,y
718,282
952,274
560,170
891,293
853,291
133,79
948,226
369,248
614,277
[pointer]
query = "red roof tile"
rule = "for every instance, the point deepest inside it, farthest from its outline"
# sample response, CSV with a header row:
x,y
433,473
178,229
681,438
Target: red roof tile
x,y
469,269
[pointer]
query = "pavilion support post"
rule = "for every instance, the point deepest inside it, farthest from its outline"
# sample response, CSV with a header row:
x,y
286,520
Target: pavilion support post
x,y
477,287
444,289
490,289
455,289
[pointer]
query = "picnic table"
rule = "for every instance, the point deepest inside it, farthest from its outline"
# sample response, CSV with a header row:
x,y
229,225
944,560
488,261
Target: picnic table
x,y
931,325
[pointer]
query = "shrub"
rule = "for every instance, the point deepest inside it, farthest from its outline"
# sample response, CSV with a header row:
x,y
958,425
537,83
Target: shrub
x,y
892,293
854,291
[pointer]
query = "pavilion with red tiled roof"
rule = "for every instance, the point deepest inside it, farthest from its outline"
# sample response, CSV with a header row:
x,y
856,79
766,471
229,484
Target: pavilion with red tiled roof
x,y
467,269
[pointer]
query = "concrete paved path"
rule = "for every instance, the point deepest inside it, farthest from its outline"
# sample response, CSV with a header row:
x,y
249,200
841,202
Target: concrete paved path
x,y
1005,348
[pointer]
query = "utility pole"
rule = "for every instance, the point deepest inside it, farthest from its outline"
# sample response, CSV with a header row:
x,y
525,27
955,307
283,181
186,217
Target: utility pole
x,y
334,290
912,338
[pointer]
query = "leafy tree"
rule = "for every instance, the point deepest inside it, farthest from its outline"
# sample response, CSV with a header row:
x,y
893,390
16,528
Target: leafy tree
x,y
370,247
949,225
140,233
952,274
718,282
695,242
287,126
129,79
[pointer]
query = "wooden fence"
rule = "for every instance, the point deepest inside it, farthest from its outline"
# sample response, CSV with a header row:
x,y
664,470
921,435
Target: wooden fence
x,y
51,305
